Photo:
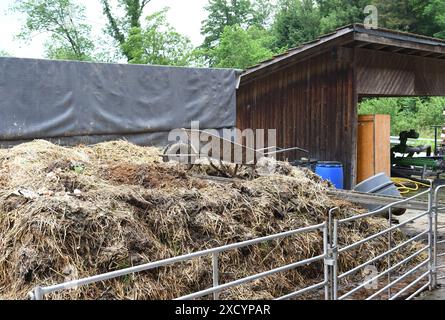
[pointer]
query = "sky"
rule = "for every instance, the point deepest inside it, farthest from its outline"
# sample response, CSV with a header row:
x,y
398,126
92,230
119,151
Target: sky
x,y
184,15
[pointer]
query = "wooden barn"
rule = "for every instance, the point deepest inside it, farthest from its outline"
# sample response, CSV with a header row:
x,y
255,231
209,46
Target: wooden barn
x,y
310,94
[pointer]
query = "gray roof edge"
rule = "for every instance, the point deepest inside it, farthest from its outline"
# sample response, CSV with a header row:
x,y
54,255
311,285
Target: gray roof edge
x,y
353,28
399,35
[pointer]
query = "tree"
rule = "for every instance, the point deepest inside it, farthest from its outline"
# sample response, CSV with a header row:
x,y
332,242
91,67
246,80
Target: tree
x,y
64,21
263,13
396,14
223,13
241,16
417,16
158,43
339,13
296,22
120,28
239,48
3,53
430,17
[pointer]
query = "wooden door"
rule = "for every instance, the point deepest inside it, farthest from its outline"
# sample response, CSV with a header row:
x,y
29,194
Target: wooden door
x,y
373,146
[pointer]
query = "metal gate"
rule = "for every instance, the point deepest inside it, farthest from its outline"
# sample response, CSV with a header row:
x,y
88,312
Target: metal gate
x,y
393,278
401,281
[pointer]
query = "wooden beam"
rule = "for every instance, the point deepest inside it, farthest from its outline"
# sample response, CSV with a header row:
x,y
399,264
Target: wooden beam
x,y
395,50
436,55
380,47
364,37
361,44
426,54
413,52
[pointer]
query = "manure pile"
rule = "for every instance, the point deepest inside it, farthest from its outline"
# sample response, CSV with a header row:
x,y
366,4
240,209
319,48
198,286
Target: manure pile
x,y
67,213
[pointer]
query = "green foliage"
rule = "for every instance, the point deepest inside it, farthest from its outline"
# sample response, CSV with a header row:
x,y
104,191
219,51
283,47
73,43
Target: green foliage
x,y
158,43
241,48
431,17
236,33
408,113
121,27
296,22
417,16
223,13
263,12
396,14
299,21
3,53
64,20
338,13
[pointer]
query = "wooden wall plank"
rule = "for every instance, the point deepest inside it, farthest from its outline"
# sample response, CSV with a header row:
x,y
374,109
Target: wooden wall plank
x,y
311,104
396,74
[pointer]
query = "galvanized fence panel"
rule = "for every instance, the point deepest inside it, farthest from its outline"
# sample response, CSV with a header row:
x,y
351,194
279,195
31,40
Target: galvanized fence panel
x,y
39,293
396,286
391,278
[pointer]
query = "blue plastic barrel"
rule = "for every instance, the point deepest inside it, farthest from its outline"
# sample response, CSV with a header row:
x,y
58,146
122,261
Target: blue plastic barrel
x,y
332,171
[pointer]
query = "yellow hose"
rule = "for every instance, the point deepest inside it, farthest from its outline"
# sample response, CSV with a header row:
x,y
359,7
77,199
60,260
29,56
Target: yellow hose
x,y
407,185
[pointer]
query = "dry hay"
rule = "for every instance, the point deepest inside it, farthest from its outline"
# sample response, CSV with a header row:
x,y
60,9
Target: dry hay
x,y
67,213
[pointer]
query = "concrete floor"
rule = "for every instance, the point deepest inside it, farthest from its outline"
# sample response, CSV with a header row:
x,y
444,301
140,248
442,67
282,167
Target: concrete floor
x,y
415,228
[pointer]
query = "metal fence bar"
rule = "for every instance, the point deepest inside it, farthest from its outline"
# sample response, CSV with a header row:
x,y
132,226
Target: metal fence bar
x,y
435,237
331,260
431,241
302,291
335,261
325,264
215,271
419,291
436,241
398,294
389,249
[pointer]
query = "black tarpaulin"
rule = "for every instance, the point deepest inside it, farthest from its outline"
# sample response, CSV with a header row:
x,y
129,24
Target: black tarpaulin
x,y
77,102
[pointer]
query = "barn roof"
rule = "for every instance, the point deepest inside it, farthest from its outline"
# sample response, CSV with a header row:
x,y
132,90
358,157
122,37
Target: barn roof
x,y
351,36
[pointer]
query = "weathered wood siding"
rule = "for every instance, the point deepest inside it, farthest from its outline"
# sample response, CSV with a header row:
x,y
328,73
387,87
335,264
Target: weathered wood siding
x,y
312,104
394,74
